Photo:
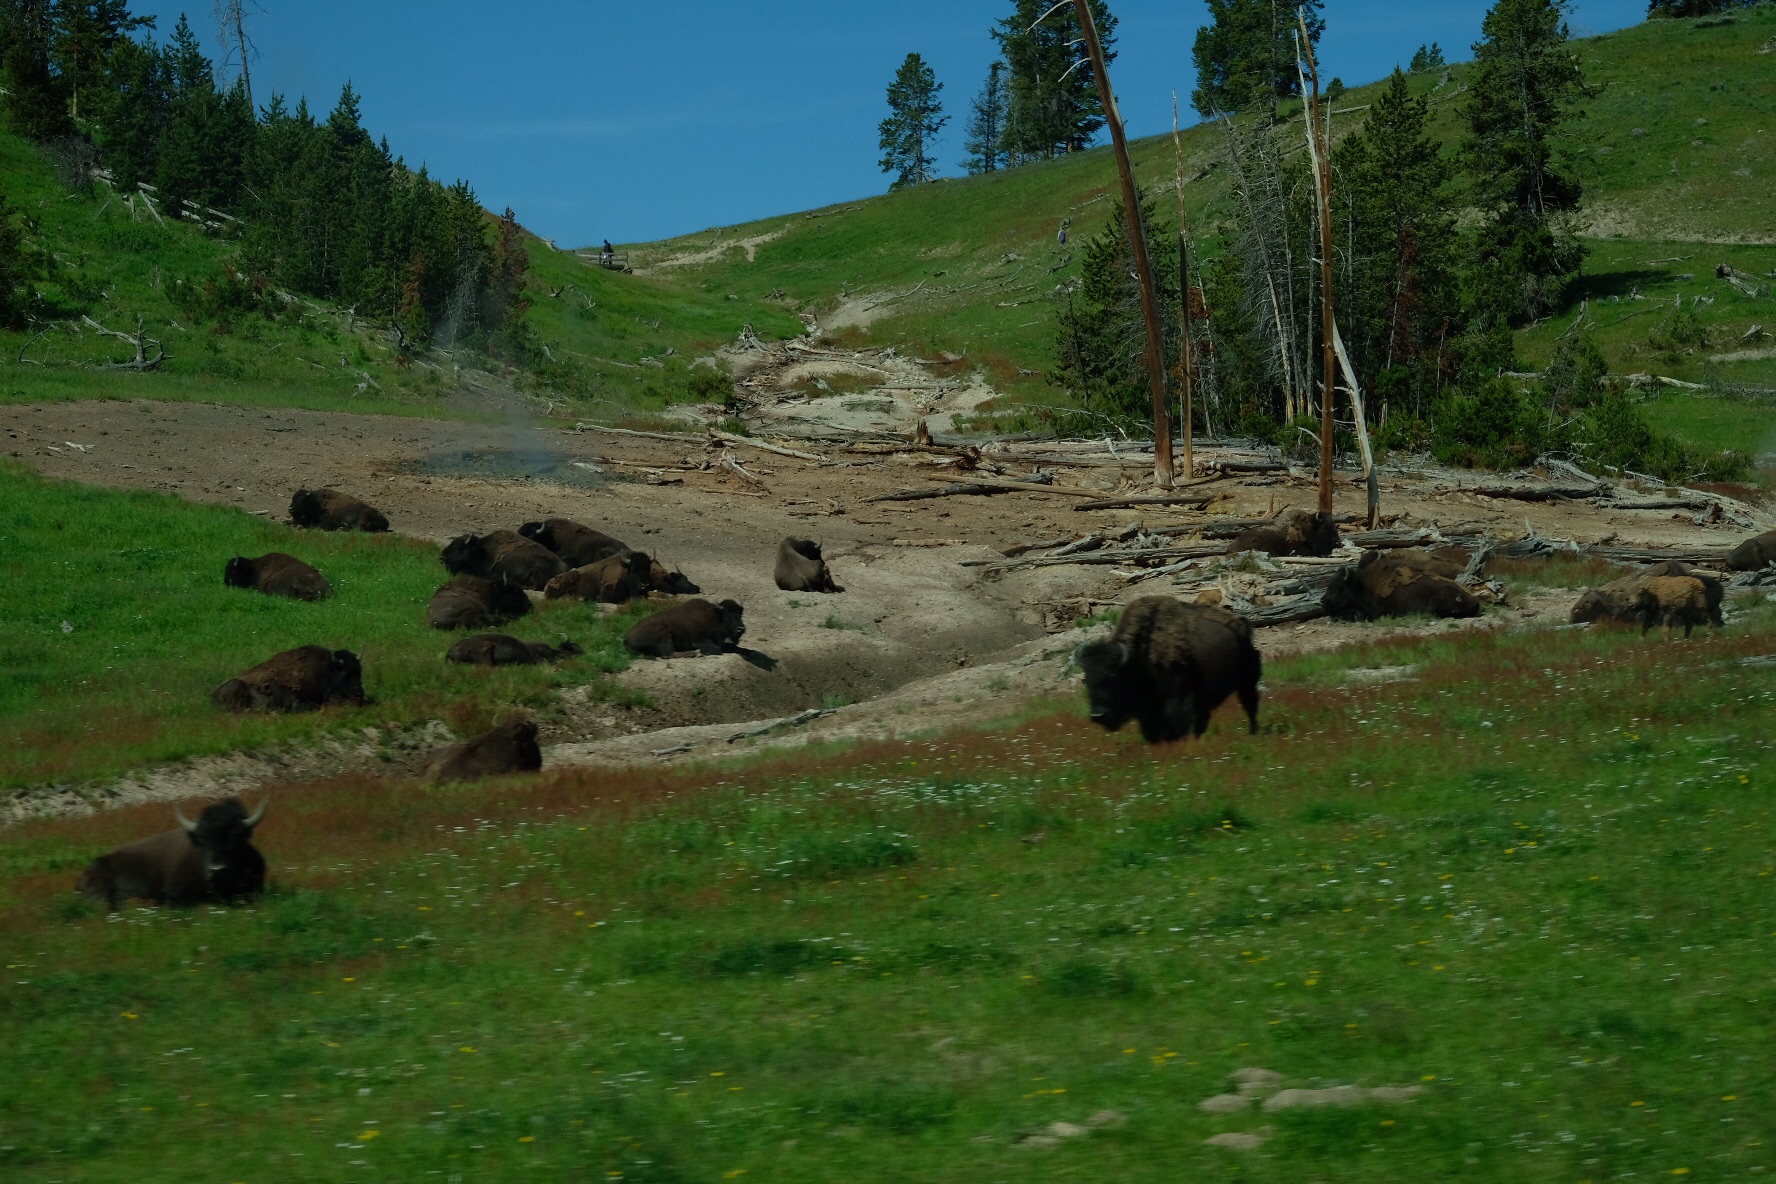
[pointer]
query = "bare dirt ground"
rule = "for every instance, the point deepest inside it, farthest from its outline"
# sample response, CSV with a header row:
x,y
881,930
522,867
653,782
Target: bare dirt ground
x,y
929,634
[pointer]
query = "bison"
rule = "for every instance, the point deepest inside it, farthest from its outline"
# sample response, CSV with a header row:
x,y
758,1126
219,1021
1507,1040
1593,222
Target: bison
x,y
690,625
1754,554
470,602
497,649
673,582
503,554
616,579
1293,532
303,679
1168,666
210,859
1619,601
509,748
578,546
1671,601
277,574
1397,584
800,567
328,509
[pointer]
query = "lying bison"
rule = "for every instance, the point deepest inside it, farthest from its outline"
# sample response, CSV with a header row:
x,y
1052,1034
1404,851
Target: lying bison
x,y
509,748
303,679
1168,666
691,625
328,509
577,545
1293,532
503,554
1398,584
210,859
277,574
470,602
669,580
800,567
497,649
615,579
1754,554
1620,601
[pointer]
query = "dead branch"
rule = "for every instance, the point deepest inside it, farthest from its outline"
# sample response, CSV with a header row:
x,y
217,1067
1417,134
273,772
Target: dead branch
x,y
1123,503
1534,493
141,341
1028,486
675,437
731,464
730,438
976,489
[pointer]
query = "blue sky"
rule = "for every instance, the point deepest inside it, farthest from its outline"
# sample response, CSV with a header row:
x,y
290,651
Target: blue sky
x,y
641,121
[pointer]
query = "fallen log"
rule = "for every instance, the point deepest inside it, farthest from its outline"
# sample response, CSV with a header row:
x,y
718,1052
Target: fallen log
x,y
1534,493
1661,503
730,438
1026,548
675,437
1306,608
140,340
1247,466
731,464
788,721
975,489
1715,556
1016,486
1170,499
1107,558
1229,528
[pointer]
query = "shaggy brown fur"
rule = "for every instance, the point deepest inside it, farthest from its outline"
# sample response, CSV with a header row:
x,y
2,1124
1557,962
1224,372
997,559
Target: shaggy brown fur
x,y
497,649
470,602
328,509
1395,584
1168,666
505,555
1754,554
1671,601
800,567
210,859
616,579
303,679
1293,532
578,546
277,574
1619,601
509,748
686,626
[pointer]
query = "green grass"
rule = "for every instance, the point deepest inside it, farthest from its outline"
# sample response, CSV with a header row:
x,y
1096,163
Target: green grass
x,y
117,627
1544,896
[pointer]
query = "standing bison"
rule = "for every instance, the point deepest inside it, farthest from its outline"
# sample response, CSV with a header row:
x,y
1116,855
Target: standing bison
x,y
1293,532
1754,554
1672,601
498,649
690,625
328,509
470,602
1398,584
509,748
1622,601
800,567
210,859
1168,666
303,679
503,555
277,574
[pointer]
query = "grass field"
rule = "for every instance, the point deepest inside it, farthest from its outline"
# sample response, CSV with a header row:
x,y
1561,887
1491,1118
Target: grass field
x,y
1543,897
117,626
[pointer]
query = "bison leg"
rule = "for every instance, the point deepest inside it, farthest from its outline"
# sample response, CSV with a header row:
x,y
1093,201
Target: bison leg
x,y
1248,697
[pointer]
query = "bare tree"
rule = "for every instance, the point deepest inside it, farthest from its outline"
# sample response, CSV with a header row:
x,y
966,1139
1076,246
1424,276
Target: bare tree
x,y
231,26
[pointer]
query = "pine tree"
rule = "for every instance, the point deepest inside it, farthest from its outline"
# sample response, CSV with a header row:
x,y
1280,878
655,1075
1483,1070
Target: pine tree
x,y
128,113
84,33
1426,57
1684,8
1054,104
1524,91
914,118
37,100
1245,56
15,270
985,144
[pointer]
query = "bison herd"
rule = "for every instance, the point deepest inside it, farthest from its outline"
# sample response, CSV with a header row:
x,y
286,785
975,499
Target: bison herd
x,y
1167,666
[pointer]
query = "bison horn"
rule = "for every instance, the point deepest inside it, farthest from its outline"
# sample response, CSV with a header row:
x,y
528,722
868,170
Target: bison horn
x,y
256,815
185,822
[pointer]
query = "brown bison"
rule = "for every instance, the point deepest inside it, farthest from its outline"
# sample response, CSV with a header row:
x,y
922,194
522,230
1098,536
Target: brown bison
x,y
1394,584
690,625
615,579
497,649
509,748
303,679
800,567
1619,601
1293,532
210,859
277,574
1754,554
674,582
470,602
1168,666
503,555
1671,601
328,509
578,546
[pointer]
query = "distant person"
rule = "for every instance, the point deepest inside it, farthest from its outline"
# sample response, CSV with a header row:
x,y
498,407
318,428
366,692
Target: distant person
x,y
610,252
1061,238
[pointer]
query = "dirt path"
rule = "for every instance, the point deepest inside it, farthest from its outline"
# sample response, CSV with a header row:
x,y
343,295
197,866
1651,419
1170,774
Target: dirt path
x,y
918,641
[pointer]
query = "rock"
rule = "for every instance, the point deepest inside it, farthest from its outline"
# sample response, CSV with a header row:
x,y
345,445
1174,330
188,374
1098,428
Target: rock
x,y
1336,1095
1066,1130
1393,1094
1237,1141
1107,1119
1224,1103
1251,1079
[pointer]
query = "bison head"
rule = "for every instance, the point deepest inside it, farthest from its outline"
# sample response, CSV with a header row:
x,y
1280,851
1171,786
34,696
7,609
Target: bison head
x,y
1343,598
1322,535
1103,663
462,554
221,834
674,582
240,573
1592,606
536,532
732,627
806,548
345,678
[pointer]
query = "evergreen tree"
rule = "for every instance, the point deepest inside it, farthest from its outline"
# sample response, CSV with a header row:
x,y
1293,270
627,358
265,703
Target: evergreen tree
x,y
914,118
1683,8
1525,90
84,33
985,144
1427,57
1054,105
1245,57
207,134
127,114
1397,297
37,100
15,270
